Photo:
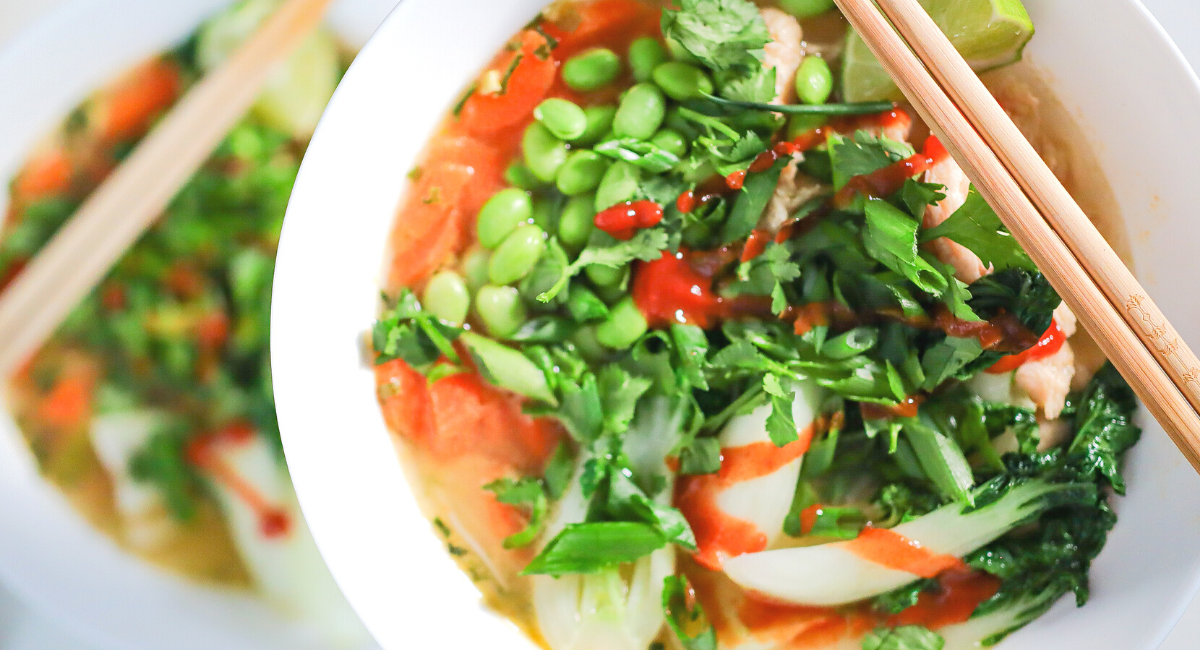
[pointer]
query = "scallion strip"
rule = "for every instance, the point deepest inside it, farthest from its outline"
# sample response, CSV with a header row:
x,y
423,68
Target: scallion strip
x,y
860,108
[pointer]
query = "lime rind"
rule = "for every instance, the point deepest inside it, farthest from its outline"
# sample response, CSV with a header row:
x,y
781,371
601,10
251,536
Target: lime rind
x,y
988,33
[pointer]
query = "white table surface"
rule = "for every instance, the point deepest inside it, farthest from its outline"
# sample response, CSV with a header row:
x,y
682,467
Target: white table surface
x,y
23,629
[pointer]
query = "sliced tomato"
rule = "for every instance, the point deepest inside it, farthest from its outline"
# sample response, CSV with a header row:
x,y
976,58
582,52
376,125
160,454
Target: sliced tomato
x,y
404,398
527,74
132,106
48,173
475,418
69,403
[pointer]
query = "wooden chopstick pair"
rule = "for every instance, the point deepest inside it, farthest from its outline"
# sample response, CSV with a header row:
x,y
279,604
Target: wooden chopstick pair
x,y
1014,180
135,194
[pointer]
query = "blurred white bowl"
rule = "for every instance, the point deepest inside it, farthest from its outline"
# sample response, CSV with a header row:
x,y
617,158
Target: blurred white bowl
x,y
1117,71
48,554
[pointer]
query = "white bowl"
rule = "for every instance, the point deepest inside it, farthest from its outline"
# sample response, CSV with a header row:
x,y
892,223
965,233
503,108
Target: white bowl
x,y
1114,67
48,554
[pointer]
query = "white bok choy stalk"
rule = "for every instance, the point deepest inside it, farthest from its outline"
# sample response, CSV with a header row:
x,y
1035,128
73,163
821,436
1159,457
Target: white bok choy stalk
x,y
765,501
618,608
832,574
286,565
117,438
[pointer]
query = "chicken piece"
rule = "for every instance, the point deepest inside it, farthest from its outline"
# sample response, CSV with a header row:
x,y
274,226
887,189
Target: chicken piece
x,y
784,52
1047,381
794,190
967,265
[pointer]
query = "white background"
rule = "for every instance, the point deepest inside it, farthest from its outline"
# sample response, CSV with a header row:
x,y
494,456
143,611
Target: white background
x,y
23,629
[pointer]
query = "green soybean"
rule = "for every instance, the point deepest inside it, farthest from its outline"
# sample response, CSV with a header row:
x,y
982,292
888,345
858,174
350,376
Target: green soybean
x,y
670,141
606,276
563,118
501,215
500,309
623,327
582,172
577,222
585,341
545,212
645,54
599,123
679,52
516,255
518,175
475,269
447,297
620,184
814,80
592,70
641,112
681,81
544,152
806,8
584,305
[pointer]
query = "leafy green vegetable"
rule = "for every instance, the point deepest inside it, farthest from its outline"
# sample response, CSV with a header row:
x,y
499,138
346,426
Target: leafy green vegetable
x,y
721,33
686,618
976,226
906,637
161,463
647,245
643,154
1104,427
526,492
702,456
408,332
594,547
942,460
892,239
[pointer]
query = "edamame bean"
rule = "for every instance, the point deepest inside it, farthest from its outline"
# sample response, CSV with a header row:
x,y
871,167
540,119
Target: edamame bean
x,y
544,153
591,70
518,175
581,173
806,8
599,123
641,112
500,309
501,215
798,125
606,276
814,80
620,184
670,141
563,118
623,327
585,341
475,269
577,221
682,82
447,297
516,255
679,52
545,212
645,54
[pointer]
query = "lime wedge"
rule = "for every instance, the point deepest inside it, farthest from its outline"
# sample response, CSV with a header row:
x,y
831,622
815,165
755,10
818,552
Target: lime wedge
x,y
988,33
295,95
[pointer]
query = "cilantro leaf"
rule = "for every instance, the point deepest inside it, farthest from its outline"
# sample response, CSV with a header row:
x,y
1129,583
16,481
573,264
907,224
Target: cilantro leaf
x,y
702,456
755,195
781,425
619,395
647,245
721,33
685,618
976,226
640,153
891,239
526,492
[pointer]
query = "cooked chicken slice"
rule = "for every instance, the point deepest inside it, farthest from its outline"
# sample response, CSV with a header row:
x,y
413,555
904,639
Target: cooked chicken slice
x,y
784,52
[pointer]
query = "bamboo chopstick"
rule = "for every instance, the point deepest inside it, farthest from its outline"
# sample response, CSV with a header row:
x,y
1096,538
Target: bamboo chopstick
x,y
1048,194
137,192
1099,316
